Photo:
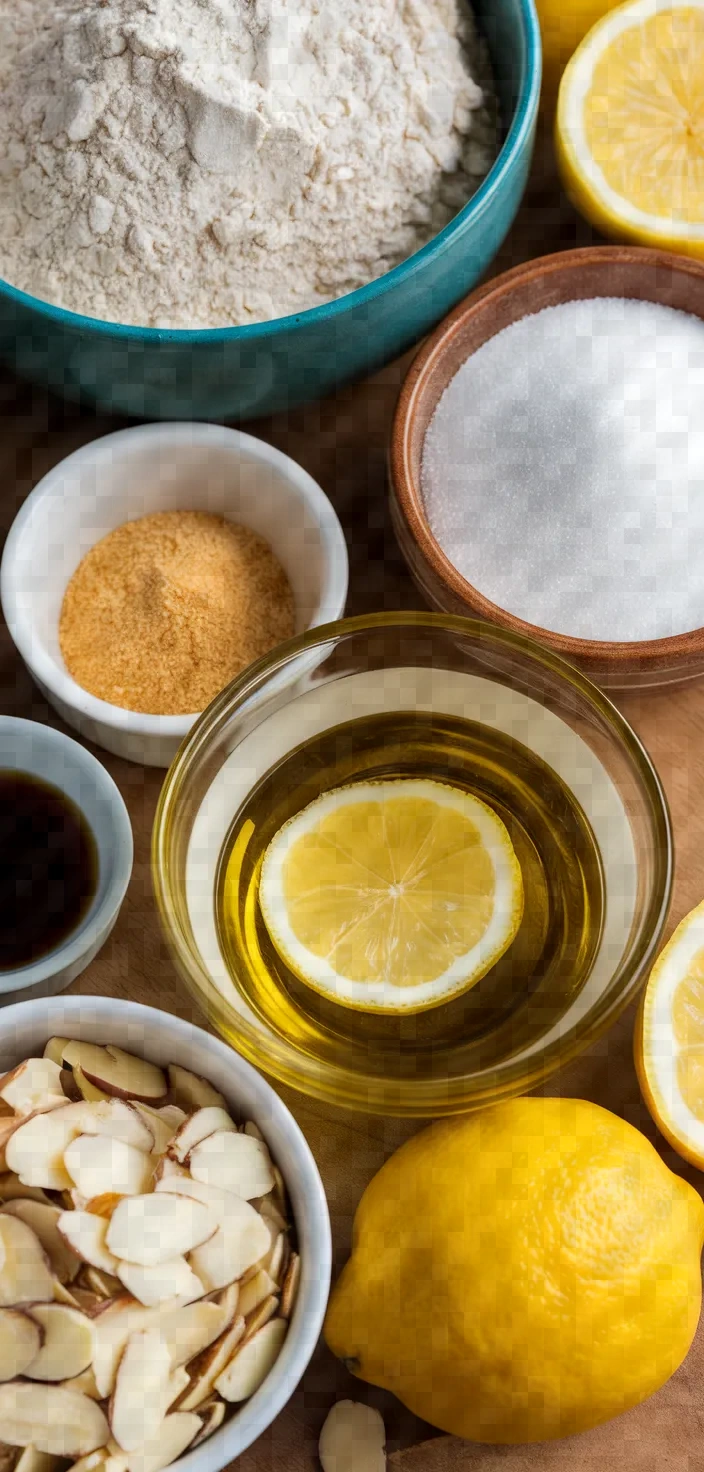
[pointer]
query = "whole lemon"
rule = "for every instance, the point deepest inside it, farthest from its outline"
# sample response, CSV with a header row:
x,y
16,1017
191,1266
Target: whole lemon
x,y
521,1274
562,27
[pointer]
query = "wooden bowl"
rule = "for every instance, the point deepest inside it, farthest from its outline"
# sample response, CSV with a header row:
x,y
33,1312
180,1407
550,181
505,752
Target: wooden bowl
x,y
621,271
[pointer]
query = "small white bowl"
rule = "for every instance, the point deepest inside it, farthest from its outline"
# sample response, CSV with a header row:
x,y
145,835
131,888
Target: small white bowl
x,y
159,467
164,1039
41,752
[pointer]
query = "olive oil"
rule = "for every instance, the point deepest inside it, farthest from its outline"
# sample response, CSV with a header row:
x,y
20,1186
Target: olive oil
x,y
530,987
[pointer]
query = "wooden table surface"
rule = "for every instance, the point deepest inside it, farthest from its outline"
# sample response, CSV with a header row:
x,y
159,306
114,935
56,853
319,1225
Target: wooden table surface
x,y
342,442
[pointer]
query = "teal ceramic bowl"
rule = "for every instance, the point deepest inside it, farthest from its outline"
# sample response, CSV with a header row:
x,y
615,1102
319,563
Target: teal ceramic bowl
x,y
244,372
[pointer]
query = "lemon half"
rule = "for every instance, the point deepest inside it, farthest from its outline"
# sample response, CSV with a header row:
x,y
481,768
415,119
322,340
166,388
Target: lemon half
x,y
392,896
669,1040
630,124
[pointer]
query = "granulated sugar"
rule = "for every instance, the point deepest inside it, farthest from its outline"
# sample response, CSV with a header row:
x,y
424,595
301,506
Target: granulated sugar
x,y
563,470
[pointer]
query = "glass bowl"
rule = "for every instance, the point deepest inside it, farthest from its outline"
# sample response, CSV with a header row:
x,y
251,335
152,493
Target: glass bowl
x,y
470,1052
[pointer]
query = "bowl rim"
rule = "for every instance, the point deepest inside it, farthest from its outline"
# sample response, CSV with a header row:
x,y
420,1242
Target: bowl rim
x,y
374,1096
517,138
120,840
99,1010
621,656
46,669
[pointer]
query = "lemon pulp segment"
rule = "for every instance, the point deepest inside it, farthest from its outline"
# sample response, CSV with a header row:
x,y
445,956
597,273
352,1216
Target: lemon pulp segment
x,y
392,895
669,1042
630,124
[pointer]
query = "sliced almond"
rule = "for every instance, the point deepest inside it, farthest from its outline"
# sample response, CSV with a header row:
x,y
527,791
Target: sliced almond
x,y
118,1073
119,1119
289,1289
13,1189
267,1208
25,1275
212,1416
191,1091
51,1419
105,1285
228,1300
273,1260
35,1152
70,1088
87,1090
73,1297
93,1462
252,1362
20,1342
44,1223
235,1162
55,1050
85,1234
239,1242
219,1202
138,1404
85,1383
187,1329
206,1368
169,1170
352,1439
155,1228
68,1342
261,1315
103,1205
8,1127
175,1435
179,1380
98,1164
253,1130
162,1124
198,1127
33,1085
33,1461
162,1281
254,1292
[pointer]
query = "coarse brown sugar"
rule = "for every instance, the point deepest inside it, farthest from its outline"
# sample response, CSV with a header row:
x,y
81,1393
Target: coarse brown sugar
x,y
165,610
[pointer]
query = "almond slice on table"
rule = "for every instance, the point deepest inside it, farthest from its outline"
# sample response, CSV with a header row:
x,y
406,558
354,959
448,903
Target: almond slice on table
x,y
118,1073
25,1274
98,1164
151,1229
138,1404
236,1163
33,1085
175,1435
353,1439
239,1242
161,1282
212,1415
198,1127
67,1349
255,1291
51,1419
43,1221
35,1151
252,1362
85,1234
191,1091
289,1290
20,1342
204,1370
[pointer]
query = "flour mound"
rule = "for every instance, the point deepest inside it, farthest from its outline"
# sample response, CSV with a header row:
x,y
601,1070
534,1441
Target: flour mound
x,y
196,163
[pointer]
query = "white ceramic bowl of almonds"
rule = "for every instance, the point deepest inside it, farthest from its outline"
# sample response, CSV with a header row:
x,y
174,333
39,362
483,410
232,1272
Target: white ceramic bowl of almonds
x,y
164,1243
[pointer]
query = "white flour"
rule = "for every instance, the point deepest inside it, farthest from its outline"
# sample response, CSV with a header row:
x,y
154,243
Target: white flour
x,y
191,163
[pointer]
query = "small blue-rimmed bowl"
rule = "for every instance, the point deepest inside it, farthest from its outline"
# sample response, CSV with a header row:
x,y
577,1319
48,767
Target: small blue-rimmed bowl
x,y
240,372
41,752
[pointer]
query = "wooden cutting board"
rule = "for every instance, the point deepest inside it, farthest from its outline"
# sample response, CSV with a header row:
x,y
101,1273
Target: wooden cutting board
x,y
342,442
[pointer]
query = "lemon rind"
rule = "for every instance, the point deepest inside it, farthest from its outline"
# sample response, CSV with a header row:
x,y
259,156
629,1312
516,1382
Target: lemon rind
x,y
593,193
656,1046
383,996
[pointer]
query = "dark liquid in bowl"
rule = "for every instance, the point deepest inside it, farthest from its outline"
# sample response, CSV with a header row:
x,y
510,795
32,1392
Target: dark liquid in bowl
x,y
48,869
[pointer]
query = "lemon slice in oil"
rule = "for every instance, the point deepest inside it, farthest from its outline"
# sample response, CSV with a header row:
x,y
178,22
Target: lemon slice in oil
x,y
392,896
